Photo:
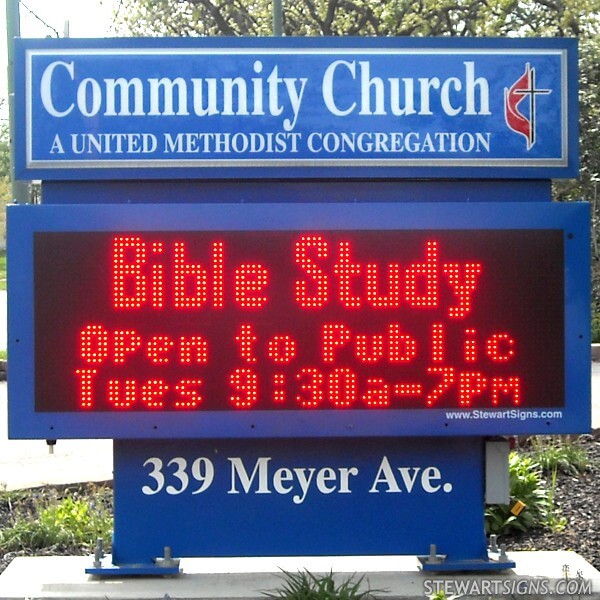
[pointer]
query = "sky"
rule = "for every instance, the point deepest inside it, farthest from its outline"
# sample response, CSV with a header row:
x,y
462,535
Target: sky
x,y
43,18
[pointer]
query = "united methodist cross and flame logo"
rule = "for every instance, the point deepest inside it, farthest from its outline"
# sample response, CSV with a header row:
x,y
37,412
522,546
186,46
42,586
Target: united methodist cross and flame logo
x,y
522,89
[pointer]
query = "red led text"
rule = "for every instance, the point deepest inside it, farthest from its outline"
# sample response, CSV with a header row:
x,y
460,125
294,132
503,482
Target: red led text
x,y
159,275
140,277
287,320
334,274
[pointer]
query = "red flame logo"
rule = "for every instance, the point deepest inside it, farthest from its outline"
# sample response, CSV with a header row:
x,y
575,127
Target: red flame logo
x,y
522,89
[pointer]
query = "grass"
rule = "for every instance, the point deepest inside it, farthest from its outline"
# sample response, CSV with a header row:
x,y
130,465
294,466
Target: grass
x,y
556,453
303,585
70,521
554,519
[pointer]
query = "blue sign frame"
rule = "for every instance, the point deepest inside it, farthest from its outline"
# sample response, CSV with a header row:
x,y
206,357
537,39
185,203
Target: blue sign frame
x,y
259,139
25,221
296,108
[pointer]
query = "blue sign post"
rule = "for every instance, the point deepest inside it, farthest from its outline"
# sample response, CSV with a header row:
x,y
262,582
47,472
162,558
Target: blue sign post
x,y
297,347
301,498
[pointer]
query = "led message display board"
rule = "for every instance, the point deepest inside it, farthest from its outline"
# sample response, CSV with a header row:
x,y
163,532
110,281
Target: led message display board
x,y
222,323
298,320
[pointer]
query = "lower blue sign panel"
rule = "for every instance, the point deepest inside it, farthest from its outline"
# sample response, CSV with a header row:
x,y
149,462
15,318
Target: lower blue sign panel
x,y
304,497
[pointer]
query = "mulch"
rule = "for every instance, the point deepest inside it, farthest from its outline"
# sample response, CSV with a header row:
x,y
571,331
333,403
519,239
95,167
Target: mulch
x,y
577,499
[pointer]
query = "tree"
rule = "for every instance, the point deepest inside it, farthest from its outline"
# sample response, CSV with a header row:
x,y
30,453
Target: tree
x,y
5,191
4,151
4,163
361,17
589,125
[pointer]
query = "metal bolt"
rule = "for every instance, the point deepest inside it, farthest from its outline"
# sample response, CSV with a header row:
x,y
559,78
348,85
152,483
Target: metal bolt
x,y
98,553
167,560
433,555
503,556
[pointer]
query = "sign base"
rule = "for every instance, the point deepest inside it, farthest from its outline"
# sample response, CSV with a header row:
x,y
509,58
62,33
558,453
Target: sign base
x,y
455,566
300,497
108,569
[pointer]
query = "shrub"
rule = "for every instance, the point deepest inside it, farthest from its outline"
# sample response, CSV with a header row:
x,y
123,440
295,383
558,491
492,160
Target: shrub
x,y
68,523
555,453
526,485
595,328
306,586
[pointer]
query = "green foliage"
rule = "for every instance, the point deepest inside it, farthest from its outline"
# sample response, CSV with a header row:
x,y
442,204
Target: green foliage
x,y
554,519
586,187
596,327
2,270
306,586
4,152
5,188
559,454
69,523
5,191
548,456
577,18
526,485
